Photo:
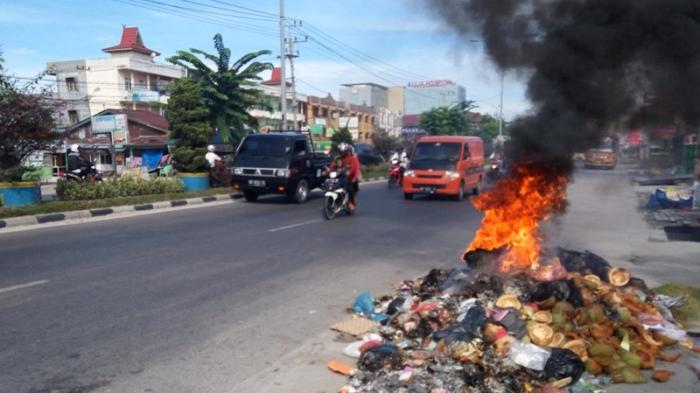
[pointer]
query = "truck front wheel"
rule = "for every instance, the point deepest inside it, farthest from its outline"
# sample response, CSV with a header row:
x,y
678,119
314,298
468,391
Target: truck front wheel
x,y
250,196
301,192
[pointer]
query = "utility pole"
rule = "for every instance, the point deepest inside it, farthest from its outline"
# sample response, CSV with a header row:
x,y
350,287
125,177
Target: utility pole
x,y
292,55
500,116
283,60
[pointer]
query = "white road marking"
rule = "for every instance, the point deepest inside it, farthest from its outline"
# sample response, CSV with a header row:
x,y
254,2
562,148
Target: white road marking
x,y
294,225
22,286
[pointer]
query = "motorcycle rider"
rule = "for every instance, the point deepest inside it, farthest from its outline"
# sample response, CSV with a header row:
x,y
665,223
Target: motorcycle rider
x,y
348,160
211,156
77,165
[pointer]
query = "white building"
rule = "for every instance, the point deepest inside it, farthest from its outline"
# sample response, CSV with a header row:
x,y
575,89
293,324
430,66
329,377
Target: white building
x,y
129,79
272,121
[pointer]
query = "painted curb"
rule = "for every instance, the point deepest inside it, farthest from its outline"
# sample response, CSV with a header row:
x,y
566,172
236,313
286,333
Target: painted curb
x,y
102,212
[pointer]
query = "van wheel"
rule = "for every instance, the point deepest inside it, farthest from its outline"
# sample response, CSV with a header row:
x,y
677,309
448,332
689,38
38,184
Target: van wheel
x,y
301,192
460,193
407,196
250,196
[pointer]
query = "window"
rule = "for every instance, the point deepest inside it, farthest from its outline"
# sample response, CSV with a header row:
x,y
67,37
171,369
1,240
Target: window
x,y
300,147
71,84
73,116
466,152
315,111
127,84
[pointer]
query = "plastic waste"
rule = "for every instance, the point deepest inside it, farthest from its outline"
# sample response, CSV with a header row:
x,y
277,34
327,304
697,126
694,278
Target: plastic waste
x,y
564,363
465,330
364,304
379,357
529,355
353,349
512,322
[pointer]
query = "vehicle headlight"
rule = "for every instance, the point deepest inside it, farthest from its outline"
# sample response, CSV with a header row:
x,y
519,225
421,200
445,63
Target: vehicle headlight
x,y
451,174
283,172
333,175
237,171
409,174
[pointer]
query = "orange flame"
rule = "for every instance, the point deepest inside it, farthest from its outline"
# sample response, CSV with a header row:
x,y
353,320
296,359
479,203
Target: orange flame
x,y
513,210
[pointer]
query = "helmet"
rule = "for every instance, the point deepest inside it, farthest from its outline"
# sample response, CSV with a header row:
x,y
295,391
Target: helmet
x,y
74,148
344,148
211,148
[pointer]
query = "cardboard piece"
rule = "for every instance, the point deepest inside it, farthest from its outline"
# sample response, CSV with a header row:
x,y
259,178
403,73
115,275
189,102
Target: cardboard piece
x,y
355,326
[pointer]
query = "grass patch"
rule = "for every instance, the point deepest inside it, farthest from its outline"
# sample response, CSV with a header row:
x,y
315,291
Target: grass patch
x,y
690,309
64,206
373,171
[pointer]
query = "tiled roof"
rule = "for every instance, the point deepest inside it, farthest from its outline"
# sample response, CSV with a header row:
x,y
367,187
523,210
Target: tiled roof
x,y
131,41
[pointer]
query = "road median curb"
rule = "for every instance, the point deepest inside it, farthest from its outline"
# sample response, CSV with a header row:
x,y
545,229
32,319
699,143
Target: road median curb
x,y
36,220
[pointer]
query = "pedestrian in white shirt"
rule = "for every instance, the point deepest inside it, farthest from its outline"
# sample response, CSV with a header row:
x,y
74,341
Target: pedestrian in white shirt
x,y
212,157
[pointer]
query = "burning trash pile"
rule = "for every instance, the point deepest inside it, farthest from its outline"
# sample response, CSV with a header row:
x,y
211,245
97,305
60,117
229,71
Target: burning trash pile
x,y
516,317
475,330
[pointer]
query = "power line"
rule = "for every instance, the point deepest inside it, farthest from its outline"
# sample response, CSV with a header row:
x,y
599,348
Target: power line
x,y
205,19
228,15
311,86
364,55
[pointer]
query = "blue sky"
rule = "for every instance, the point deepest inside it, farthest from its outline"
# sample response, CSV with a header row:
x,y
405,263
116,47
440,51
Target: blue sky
x,y
400,33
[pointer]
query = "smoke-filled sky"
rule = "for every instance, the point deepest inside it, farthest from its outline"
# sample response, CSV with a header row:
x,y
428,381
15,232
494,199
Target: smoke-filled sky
x,y
591,66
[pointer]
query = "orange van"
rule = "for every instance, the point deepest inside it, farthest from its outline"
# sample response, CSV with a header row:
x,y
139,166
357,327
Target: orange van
x,y
445,165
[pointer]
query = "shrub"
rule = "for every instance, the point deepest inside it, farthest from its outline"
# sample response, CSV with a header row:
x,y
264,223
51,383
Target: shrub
x,y
12,174
118,187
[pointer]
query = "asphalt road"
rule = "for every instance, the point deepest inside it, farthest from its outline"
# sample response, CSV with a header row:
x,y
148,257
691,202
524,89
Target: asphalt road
x,y
199,300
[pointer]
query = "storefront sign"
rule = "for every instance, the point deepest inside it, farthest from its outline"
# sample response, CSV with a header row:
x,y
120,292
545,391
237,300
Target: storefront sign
x,y
145,96
116,125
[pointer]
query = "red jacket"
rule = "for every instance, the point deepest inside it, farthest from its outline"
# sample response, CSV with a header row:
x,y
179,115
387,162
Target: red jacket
x,y
353,165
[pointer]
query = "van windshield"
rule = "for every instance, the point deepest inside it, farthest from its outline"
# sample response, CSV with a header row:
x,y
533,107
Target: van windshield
x,y
435,155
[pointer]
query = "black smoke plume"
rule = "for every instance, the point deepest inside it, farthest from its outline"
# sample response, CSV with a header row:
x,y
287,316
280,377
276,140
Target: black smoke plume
x,y
592,66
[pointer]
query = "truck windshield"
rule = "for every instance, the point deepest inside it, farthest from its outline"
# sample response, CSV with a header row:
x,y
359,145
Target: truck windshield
x,y
435,155
265,147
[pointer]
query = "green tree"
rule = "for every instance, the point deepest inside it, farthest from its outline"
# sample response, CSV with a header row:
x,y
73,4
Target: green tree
x,y
26,121
385,143
340,136
447,120
229,89
486,128
188,115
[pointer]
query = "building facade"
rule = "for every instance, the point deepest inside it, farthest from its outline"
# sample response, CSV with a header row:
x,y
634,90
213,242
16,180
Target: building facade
x,y
272,120
423,96
325,115
365,94
396,100
129,79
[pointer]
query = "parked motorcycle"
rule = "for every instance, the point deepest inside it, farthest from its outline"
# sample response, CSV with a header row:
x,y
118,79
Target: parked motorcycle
x,y
85,175
395,174
336,197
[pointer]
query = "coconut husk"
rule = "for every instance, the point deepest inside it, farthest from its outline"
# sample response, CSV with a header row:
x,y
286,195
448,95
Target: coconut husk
x,y
558,340
509,301
578,347
619,276
540,334
543,317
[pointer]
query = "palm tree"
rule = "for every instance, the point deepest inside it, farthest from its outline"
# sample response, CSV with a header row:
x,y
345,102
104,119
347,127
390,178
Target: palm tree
x,y
229,89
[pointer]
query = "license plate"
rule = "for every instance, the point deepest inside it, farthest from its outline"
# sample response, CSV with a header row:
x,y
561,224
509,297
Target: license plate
x,y
256,183
428,189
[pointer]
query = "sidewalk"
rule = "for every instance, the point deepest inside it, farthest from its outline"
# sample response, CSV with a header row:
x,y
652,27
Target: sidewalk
x,y
603,218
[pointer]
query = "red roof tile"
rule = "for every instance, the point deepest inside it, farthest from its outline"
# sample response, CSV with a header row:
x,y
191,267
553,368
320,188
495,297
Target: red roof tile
x,y
275,78
131,41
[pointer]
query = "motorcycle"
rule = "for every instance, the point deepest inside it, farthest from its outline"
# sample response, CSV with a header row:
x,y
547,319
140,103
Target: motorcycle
x,y
86,174
336,196
495,169
395,174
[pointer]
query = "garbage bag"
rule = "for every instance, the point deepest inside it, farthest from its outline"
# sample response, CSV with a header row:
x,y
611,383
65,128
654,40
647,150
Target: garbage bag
x,y
529,355
457,281
395,306
465,330
380,357
563,363
432,281
584,262
560,289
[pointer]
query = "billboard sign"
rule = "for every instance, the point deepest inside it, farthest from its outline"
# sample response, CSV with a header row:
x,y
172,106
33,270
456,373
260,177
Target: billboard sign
x,y
145,96
432,83
116,125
